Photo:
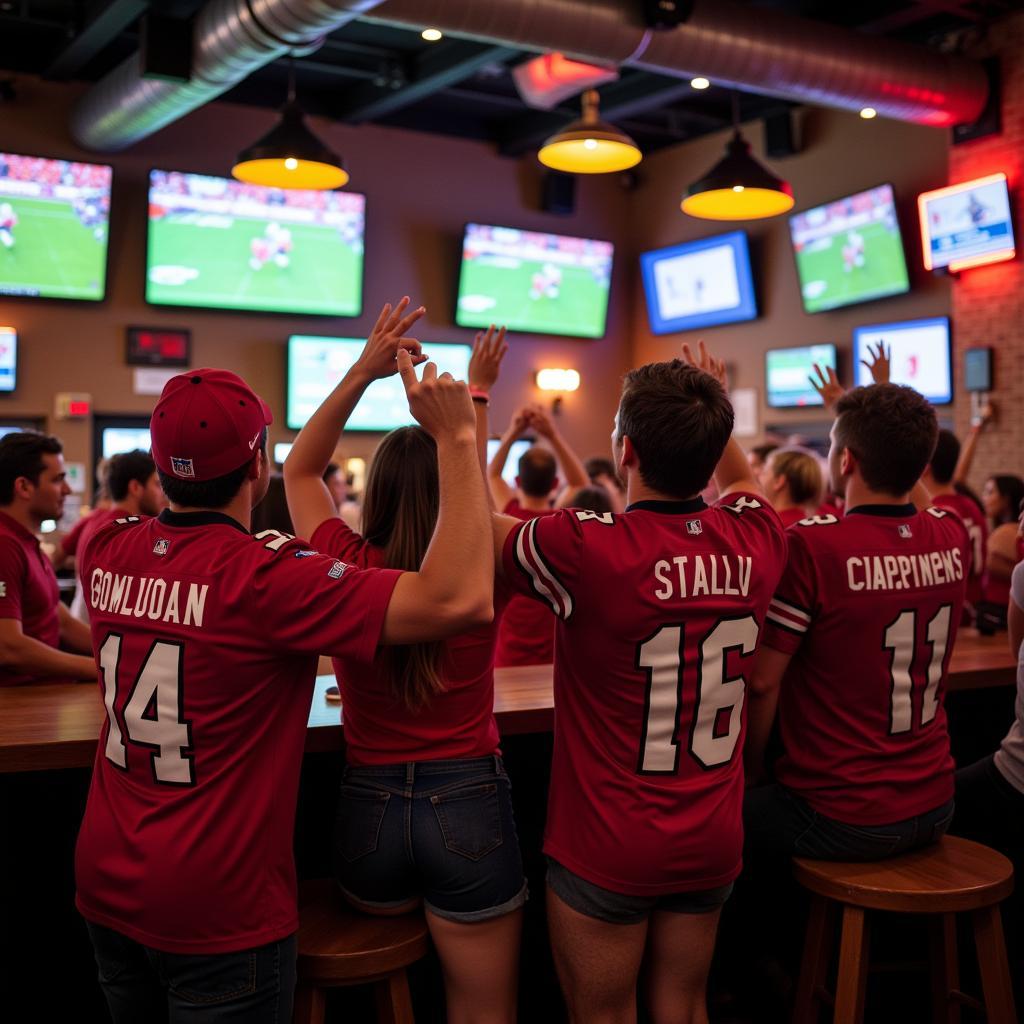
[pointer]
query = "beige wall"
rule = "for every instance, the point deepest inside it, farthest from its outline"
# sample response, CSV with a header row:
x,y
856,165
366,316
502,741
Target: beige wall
x,y
841,153
420,189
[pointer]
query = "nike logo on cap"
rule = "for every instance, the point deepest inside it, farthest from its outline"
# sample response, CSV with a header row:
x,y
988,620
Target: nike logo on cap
x,y
252,443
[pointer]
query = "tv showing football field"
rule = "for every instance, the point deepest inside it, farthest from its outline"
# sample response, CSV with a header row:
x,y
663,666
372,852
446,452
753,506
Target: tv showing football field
x,y
788,373
534,282
317,364
217,243
53,227
849,251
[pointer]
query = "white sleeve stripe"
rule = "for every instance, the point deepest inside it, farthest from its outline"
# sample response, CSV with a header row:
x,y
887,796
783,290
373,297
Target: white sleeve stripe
x,y
538,584
548,573
785,608
796,627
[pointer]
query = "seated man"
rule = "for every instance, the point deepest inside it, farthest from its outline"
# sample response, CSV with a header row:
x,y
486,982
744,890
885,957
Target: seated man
x,y
526,633
657,610
856,649
34,625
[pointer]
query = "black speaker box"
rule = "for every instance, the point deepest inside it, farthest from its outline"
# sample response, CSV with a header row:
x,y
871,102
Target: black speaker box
x,y
780,135
558,193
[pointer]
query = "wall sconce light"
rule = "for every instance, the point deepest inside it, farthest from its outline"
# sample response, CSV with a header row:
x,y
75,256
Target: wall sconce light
x,y
559,381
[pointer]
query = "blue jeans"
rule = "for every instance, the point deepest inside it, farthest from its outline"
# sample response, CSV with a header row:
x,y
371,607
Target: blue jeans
x,y
779,824
147,986
442,831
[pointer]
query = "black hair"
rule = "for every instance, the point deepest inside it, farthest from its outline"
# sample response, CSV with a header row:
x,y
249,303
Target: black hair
x,y
945,457
21,455
216,493
537,472
124,468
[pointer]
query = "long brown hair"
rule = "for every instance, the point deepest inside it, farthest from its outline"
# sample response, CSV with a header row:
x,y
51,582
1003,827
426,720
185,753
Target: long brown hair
x,y
399,514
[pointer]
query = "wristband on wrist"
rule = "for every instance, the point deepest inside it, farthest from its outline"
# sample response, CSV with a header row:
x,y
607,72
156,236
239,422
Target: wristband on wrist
x,y
479,395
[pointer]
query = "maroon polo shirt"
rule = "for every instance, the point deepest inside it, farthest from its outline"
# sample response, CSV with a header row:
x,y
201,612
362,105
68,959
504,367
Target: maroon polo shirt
x,y
28,590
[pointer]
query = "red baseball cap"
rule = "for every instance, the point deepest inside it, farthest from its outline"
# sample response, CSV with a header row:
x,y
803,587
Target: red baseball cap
x,y
206,424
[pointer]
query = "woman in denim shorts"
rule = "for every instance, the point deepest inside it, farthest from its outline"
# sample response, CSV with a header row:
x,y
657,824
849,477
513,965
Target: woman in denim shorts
x,y
425,812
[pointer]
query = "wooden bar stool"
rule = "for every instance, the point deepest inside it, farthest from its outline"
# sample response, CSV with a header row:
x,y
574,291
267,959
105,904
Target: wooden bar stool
x,y
950,877
339,947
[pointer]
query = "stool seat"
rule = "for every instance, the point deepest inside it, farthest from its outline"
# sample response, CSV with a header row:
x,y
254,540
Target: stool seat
x,y
337,944
950,876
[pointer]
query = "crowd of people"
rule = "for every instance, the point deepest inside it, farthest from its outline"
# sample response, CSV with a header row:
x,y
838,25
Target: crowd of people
x,y
694,600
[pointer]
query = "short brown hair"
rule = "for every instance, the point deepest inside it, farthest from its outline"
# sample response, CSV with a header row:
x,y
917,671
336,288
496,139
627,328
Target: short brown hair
x,y
679,420
537,472
21,454
802,473
891,430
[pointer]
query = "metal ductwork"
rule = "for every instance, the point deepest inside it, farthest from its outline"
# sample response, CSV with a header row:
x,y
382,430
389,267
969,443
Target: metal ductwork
x,y
732,44
232,38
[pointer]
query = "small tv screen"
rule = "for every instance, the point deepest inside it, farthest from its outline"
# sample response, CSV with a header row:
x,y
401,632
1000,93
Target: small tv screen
x,y
920,355
699,284
515,453
788,373
849,250
53,227
534,282
8,359
317,364
221,244
282,449
967,225
118,440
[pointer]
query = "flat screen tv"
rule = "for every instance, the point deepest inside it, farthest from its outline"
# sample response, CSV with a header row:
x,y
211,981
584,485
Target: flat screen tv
x,y
699,284
515,453
217,243
534,282
8,359
118,440
920,355
316,364
788,374
849,250
967,225
53,227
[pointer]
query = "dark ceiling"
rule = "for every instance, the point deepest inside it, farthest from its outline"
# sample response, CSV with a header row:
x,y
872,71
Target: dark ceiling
x,y
374,73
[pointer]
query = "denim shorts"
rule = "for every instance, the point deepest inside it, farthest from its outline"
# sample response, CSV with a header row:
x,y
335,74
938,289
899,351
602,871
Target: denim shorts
x,y
442,831
617,908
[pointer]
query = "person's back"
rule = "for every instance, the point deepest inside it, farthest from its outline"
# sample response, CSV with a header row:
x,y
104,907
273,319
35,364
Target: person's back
x,y
870,606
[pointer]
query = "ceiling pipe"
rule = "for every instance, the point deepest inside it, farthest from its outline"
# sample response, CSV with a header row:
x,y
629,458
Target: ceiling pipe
x,y
231,40
732,44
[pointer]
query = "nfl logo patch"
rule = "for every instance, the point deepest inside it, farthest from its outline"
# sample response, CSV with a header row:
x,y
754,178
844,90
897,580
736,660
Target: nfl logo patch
x,y
161,546
182,467
905,530
694,528
337,570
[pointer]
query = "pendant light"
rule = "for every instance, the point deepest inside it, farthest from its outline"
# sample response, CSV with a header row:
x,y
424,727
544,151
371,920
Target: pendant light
x,y
290,155
590,145
738,187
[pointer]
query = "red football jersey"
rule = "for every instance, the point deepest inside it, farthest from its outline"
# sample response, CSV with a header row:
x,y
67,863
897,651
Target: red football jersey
x,y
789,516
869,607
207,639
659,610
28,591
379,728
977,531
526,630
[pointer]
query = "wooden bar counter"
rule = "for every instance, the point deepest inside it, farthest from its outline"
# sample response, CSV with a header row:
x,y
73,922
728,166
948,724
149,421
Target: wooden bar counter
x,y
56,725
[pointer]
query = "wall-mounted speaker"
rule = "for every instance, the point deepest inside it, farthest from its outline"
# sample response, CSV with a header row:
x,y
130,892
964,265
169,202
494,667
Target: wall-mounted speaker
x,y
780,135
558,193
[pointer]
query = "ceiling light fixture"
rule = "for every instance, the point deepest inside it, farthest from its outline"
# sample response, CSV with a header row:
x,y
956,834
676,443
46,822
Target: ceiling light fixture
x,y
699,83
432,35
290,155
868,112
737,187
590,145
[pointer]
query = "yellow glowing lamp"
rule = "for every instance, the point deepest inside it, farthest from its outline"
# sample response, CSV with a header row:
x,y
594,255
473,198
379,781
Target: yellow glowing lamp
x,y
554,379
738,188
290,156
590,145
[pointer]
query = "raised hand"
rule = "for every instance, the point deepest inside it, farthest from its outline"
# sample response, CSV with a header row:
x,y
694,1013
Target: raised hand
x,y
489,348
827,385
520,422
706,362
541,421
440,404
878,367
387,338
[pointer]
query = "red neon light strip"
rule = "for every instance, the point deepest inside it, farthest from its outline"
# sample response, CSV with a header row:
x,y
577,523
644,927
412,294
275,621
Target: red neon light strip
x,y
979,261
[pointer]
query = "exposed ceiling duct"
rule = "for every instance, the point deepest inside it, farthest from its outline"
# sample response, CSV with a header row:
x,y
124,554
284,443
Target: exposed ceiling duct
x,y
756,49
232,39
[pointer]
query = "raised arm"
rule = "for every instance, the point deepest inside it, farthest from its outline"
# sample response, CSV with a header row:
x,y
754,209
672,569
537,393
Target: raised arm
x,y
501,493
970,446
733,470
309,501
454,588
570,463
25,655
489,348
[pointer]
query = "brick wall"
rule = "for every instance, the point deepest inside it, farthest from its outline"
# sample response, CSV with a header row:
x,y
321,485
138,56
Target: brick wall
x,y
988,302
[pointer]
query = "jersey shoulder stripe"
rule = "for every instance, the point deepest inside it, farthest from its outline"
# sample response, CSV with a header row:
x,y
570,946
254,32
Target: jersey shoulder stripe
x,y
789,616
544,579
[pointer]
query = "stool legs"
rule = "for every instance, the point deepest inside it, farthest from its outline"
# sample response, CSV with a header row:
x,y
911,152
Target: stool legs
x,y
945,969
394,1004
853,967
993,965
816,957
310,1005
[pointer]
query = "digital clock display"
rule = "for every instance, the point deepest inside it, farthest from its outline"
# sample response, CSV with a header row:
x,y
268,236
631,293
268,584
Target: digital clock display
x,y
158,347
